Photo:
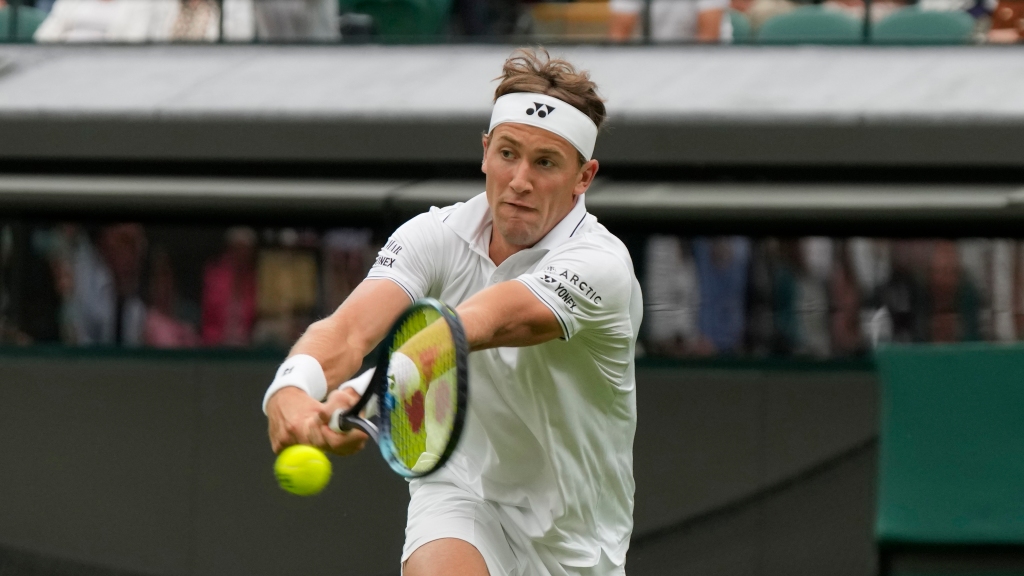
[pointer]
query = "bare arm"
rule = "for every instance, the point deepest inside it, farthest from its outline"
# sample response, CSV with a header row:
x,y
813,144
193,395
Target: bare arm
x,y
709,25
507,314
339,343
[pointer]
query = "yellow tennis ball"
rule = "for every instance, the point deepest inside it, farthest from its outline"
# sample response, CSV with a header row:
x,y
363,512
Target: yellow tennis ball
x,y
302,470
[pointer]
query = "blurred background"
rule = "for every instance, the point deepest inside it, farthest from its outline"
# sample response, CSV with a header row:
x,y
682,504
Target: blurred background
x,y
823,202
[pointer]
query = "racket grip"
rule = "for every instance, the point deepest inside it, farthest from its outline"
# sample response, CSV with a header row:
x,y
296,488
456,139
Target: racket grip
x,y
338,423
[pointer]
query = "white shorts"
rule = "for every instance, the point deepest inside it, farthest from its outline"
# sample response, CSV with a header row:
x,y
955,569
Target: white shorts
x,y
442,510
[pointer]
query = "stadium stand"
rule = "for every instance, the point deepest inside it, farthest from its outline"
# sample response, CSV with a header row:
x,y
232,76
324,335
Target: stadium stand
x,y
408,20
810,25
782,106
914,26
742,33
28,20
571,20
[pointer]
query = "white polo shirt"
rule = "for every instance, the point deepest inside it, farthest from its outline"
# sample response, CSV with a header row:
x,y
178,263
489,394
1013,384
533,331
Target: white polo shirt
x,y
549,435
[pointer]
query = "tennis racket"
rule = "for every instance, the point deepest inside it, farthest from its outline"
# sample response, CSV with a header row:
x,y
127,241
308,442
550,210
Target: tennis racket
x,y
415,405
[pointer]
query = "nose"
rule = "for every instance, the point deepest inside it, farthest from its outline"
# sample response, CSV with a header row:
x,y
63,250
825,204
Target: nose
x,y
521,181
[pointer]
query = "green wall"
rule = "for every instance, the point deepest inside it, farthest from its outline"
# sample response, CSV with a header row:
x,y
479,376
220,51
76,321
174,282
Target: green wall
x,y
157,463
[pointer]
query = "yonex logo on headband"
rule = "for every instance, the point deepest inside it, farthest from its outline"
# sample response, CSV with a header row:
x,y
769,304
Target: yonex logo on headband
x,y
539,109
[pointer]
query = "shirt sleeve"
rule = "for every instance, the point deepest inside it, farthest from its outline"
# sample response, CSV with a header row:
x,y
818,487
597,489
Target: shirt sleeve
x,y
588,290
410,256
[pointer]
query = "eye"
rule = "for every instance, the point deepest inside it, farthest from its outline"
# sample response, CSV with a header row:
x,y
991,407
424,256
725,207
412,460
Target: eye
x,y
546,163
506,153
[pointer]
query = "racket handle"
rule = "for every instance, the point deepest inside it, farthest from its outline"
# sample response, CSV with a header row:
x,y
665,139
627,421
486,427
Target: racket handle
x,y
340,422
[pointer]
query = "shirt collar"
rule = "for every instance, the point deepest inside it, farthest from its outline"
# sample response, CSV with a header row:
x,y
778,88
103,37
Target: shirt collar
x,y
472,222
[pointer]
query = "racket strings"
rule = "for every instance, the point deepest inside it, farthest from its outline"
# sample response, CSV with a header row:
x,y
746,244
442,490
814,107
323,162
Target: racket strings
x,y
422,419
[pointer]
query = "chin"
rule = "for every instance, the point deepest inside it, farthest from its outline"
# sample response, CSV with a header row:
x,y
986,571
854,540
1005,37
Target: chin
x,y
519,236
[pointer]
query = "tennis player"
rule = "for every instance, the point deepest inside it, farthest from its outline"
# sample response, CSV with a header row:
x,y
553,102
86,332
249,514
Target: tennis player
x,y
541,483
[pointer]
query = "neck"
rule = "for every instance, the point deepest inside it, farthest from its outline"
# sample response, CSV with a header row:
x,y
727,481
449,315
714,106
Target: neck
x,y
499,249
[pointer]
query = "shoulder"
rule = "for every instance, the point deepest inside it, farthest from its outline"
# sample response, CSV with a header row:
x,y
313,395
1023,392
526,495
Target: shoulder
x,y
597,247
596,265
429,223
424,237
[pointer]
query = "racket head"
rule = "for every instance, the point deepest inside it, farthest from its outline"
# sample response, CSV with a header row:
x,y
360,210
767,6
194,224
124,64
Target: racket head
x,y
420,424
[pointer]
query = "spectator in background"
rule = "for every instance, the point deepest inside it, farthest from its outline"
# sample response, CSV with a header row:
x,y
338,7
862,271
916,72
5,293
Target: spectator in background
x,y
286,288
880,9
812,305
146,21
1007,25
347,257
944,283
845,302
303,20
199,21
785,287
722,265
871,262
106,307
904,295
760,11
671,20
976,8
164,328
46,309
229,291
760,297
672,297
974,299
1004,289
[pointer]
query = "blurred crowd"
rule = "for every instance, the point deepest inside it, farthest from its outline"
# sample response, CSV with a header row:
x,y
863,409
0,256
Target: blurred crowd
x,y
827,297
731,296
126,285
712,21
181,20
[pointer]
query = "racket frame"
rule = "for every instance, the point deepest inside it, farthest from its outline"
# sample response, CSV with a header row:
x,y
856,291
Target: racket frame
x,y
379,427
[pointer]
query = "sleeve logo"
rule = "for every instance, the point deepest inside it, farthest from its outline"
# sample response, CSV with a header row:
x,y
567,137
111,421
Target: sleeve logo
x,y
389,261
566,282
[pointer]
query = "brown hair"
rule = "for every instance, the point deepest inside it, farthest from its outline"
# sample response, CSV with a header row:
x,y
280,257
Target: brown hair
x,y
536,71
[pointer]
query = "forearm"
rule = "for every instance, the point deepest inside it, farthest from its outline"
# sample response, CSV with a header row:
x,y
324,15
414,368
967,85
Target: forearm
x,y
507,314
339,351
340,342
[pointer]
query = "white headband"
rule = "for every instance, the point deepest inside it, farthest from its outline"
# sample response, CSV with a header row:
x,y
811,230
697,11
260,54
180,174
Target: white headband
x,y
549,113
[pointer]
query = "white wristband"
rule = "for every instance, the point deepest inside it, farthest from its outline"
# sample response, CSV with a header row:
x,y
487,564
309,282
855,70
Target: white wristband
x,y
301,371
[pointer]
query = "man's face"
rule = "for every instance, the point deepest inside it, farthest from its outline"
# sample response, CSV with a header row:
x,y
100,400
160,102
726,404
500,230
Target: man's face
x,y
533,179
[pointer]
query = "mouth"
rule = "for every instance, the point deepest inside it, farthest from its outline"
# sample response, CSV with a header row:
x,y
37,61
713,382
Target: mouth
x,y
518,206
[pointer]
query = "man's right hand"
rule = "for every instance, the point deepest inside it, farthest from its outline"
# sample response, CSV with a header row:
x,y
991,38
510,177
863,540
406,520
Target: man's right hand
x,y
293,417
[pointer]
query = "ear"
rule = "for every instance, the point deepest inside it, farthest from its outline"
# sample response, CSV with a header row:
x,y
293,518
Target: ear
x,y
585,177
483,162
